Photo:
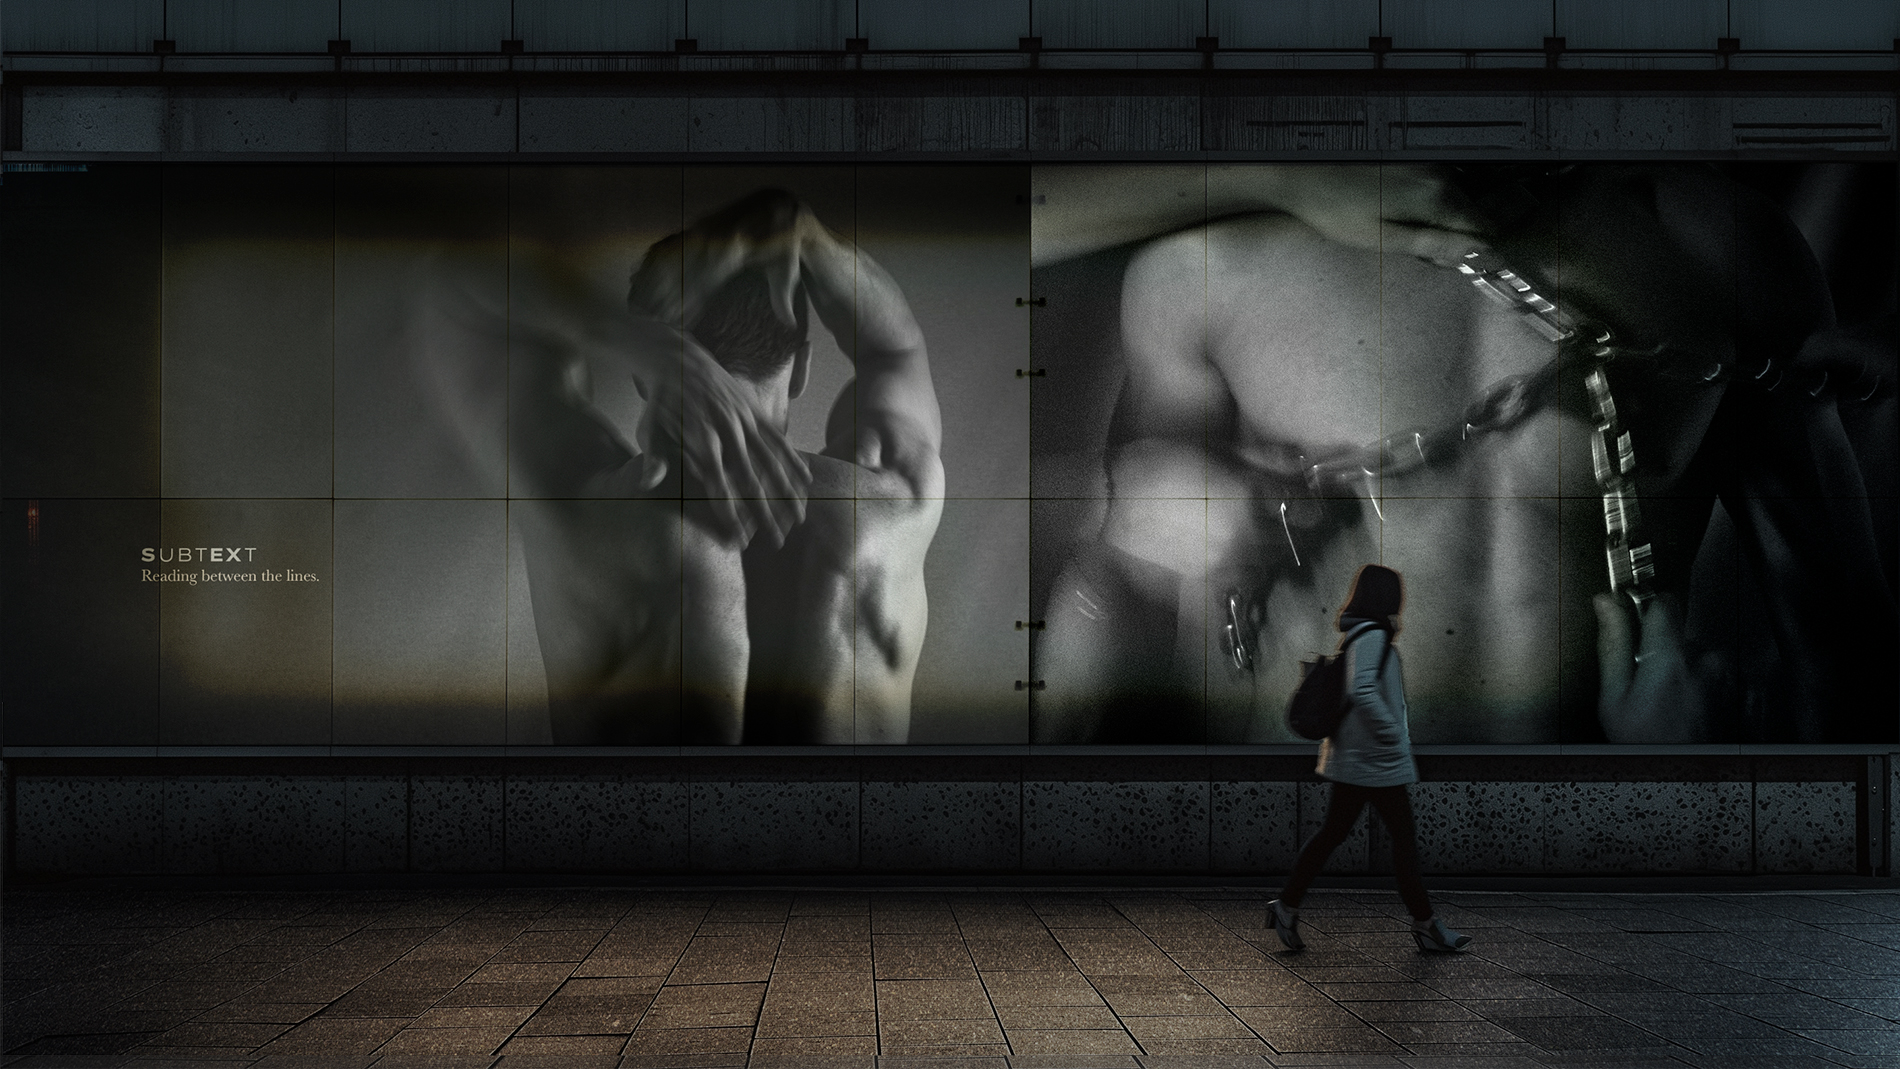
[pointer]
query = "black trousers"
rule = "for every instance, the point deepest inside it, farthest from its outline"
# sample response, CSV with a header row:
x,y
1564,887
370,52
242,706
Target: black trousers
x,y
1394,807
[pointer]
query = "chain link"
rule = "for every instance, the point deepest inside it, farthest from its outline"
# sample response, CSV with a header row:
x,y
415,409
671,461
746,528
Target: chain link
x,y
1581,345
1626,544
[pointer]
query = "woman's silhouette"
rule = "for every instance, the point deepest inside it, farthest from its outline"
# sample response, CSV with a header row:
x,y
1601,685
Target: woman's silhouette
x,y
1368,758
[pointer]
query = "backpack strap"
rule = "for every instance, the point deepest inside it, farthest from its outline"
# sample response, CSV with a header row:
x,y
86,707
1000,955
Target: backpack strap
x,y
1358,629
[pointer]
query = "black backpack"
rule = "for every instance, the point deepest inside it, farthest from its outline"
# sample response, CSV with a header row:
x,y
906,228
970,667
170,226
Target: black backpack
x,y
1319,703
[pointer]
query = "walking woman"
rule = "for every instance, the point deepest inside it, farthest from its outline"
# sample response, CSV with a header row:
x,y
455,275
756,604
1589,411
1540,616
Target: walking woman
x,y
1369,761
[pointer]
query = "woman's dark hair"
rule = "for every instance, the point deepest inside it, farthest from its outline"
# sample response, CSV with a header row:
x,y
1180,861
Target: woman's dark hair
x,y
1377,595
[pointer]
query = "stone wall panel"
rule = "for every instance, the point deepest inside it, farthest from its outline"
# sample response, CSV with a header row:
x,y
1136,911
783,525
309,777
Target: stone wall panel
x,y
1619,816
254,824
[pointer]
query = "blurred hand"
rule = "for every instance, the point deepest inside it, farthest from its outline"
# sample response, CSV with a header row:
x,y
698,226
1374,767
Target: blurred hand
x,y
754,480
1651,693
1412,208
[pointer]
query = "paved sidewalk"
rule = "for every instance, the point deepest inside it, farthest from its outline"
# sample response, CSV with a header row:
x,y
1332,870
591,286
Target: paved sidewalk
x,y
1061,978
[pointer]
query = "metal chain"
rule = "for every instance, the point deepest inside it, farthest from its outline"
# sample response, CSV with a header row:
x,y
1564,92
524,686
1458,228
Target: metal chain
x,y
1626,544
1581,344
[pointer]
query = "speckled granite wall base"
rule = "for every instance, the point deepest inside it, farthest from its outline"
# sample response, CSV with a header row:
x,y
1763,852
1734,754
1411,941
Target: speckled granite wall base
x,y
1005,814
1891,853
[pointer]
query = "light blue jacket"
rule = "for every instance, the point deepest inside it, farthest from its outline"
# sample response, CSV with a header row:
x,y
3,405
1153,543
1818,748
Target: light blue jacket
x,y
1373,746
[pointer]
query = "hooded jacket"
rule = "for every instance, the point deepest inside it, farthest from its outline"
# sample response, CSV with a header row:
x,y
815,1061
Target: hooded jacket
x,y
1373,746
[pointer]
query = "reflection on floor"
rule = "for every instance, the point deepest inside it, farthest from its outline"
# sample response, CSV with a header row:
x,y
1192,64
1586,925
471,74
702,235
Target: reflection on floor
x,y
1064,978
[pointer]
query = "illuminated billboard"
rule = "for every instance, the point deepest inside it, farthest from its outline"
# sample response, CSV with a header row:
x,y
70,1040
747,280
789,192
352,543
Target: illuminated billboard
x,y
657,455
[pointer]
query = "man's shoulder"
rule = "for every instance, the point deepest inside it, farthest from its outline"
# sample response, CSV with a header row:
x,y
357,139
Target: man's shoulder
x,y
892,457
1252,253
833,478
876,511
1249,232
1270,252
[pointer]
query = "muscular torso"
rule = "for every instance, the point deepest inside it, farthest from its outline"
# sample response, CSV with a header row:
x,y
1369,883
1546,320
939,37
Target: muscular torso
x,y
653,631
1312,350
645,617
836,616
1333,364
640,615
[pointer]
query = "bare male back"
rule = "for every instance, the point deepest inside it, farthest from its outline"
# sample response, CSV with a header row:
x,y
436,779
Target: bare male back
x,y
837,615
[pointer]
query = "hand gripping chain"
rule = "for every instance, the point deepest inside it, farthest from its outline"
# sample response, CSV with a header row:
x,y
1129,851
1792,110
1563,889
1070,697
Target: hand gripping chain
x,y
1582,345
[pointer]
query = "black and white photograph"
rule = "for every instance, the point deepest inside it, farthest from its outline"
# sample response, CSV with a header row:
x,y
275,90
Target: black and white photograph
x,y
1065,454
1018,534
1627,430
576,456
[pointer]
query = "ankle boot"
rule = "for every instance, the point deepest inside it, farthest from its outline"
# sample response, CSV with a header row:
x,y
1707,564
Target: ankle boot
x,y
1432,936
1286,924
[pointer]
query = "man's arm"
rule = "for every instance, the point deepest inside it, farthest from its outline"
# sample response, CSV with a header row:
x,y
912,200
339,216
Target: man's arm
x,y
838,613
896,434
1678,254
899,426
1110,652
693,415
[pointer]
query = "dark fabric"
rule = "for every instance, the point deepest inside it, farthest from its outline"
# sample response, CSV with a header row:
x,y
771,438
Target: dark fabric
x,y
1394,807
